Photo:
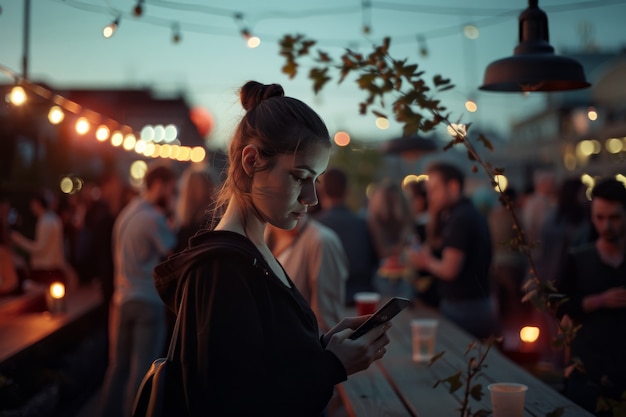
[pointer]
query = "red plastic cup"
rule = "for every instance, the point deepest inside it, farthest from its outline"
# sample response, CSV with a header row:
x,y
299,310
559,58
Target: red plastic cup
x,y
366,302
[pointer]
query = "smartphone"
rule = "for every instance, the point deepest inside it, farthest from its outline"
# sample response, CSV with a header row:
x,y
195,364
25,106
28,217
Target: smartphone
x,y
383,315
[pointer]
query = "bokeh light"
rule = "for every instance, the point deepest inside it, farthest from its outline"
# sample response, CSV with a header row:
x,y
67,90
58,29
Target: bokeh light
x,y
342,138
57,290
253,42
614,145
197,154
102,133
17,96
471,32
529,334
471,106
382,123
56,115
82,126
502,182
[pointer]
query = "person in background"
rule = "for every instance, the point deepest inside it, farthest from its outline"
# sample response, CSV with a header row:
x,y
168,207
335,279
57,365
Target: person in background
x,y
567,227
94,249
352,230
593,281
9,278
249,341
142,237
538,206
314,259
197,193
46,251
390,223
425,285
509,264
463,264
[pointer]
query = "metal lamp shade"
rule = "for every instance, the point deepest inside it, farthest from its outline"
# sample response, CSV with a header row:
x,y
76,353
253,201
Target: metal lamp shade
x,y
534,66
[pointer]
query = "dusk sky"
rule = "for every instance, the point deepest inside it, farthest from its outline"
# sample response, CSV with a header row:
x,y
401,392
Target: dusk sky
x,y
68,50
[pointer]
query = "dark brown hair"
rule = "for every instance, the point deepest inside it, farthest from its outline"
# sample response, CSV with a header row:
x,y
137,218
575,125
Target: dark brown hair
x,y
610,189
277,125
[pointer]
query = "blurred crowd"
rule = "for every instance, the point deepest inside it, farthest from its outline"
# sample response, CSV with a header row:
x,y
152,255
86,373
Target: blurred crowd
x,y
433,241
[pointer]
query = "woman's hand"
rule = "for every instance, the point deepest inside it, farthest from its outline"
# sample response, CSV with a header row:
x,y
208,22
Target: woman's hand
x,y
345,323
419,258
356,355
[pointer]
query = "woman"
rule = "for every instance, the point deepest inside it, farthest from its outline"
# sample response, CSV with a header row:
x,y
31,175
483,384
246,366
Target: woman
x,y
197,190
250,342
390,224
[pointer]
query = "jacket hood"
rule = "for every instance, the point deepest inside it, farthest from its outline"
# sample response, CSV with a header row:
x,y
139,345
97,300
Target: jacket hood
x,y
169,275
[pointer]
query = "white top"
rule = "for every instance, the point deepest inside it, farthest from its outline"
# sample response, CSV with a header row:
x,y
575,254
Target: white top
x,y
46,251
317,264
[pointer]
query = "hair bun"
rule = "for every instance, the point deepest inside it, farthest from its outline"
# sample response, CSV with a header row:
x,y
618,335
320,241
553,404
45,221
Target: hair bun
x,y
253,92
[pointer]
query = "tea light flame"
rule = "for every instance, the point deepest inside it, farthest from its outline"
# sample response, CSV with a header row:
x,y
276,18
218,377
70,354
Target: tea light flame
x,y
57,290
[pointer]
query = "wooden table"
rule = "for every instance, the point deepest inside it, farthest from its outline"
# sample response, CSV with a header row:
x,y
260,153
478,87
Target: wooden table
x,y
397,386
23,331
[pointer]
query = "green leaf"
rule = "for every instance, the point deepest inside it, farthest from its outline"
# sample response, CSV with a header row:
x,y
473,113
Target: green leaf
x,y
323,57
454,381
439,81
436,357
557,412
290,68
477,392
486,142
378,114
366,81
319,77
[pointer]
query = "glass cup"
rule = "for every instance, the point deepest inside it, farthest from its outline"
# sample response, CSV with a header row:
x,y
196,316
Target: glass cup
x,y
366,302
424,332
507,399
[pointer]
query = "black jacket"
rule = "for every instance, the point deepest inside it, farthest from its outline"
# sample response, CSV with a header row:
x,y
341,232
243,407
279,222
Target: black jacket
x,y
257,351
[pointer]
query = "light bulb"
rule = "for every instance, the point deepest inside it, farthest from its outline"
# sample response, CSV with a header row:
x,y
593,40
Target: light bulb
x,y
110,29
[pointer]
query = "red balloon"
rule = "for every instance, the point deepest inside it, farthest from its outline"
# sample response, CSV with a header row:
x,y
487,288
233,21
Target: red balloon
x,y
203,120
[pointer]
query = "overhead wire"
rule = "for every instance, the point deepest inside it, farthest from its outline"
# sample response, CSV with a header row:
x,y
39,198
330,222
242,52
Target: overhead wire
x,y
492,16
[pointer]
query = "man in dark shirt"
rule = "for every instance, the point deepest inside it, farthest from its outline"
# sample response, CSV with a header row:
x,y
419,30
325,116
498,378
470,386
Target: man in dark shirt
x,y
352,231
594,280
460,256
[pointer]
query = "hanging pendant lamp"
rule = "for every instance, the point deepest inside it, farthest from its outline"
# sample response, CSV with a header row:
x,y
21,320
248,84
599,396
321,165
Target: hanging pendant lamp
x,y
534,66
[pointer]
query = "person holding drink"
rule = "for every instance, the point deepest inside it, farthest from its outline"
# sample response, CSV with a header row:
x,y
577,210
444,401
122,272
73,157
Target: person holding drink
x,y
249,342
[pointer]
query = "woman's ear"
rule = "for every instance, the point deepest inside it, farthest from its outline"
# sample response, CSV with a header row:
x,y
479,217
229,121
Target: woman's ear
x,y
249,159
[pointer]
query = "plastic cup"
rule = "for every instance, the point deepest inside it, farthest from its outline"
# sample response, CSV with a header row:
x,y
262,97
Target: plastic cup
x,y
507,399
424,332
366,302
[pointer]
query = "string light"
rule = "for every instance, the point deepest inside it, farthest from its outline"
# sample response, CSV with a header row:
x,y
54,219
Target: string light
x,y
17,96
82,126
366,11
251,41
110,29
123,136
421,43
470,105
176,36
56,115
138,9
102,133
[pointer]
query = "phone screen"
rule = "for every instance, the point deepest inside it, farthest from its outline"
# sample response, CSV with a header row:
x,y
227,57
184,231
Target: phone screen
x,y
383,315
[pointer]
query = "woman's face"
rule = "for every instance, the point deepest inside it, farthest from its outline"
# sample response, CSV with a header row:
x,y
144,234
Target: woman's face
x,y
283,193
